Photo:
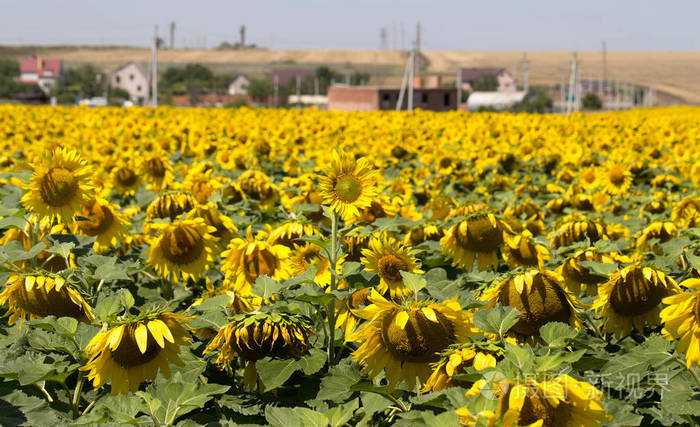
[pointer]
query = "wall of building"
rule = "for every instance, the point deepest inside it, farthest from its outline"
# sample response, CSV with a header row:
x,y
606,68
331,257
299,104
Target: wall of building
x,y
133,80
353,98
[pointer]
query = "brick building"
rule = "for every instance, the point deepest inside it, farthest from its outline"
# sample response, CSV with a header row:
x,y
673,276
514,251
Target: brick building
x,y
371,98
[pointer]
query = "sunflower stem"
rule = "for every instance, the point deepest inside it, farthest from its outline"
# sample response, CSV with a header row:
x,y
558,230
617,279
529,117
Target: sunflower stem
x,y
76,394
688,368
331,305
398,403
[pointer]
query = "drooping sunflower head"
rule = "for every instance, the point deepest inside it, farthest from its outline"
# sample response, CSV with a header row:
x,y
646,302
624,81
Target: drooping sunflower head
x,y
126,179
686,209
103,220
133,351
349,185
404,340
577,275
355,242
681,320
347,319
171,205
289,233
540,297
41,295
246,259
157,170
183,248
663,231
310,255
257,185
522,250
562,401
60,185
631,299
478,235
388,258
439,206
252,336
577,231
224,226
456,358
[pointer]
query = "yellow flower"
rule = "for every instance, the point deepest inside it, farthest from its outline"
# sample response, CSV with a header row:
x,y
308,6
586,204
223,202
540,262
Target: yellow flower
x,y
133,351
631,298
616,179
575,275
455,359
60,185
349,185
540,297
309,255
681,320
41,295
102,220
522,251
403,341
478,235
184,249
388,258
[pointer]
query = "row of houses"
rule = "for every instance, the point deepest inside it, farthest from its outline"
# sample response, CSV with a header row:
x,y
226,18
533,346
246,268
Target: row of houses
x,y
428,94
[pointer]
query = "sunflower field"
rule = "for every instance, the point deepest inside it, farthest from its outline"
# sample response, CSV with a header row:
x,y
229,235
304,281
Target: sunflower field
x,y
303,268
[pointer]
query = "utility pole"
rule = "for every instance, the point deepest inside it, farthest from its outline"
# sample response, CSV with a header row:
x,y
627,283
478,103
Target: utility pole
x,y
458,83
562,87
172,35
416,60
403,38
526,73
241,30
394,36
275,90
382,39
604,75
405,83
154,70
298,92
572,101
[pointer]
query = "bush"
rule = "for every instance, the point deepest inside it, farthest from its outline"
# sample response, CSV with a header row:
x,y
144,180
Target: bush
x,y
485,83
592,102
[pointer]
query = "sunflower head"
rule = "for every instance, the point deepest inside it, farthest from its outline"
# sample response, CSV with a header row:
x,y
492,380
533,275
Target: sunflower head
x,y
289,233
456,358
577,231
183,248
631,298
349,185
681,320
404,340
663,231
478,235
223,225
540,297
126,179
41,295
256,185
170,205
388,258
577,275
60,185
103,220
134,350
523,251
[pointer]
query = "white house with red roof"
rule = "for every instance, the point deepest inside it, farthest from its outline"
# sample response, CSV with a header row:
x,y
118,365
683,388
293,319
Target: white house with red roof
x,y
43,72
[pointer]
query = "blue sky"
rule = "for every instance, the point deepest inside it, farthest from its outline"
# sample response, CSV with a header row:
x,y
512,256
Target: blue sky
x,y
333,24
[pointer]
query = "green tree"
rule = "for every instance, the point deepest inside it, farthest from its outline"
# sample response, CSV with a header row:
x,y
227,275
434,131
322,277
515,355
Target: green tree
x,y
325,76
592,102
485,83
259,89
9,73
539,103
359,78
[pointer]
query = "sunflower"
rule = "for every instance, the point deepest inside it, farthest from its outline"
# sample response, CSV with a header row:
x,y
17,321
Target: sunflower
x,y
478,235
102,219
252,336
158,171
456,358
171,205
577,231
60,185
355,241
347,320
688,208
523,251
258,186
589,179
540,297
41,295
388,258
289,233
631,298
133,351
225,228
246,259
309,255
184,248
560,402
404,340
576,275
421,233
616,179
125,179
663,231
681,320
349,185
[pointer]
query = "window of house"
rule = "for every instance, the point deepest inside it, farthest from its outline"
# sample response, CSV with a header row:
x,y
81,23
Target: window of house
x,y
131,77
118,79
424,98
385,97
138,88
446,100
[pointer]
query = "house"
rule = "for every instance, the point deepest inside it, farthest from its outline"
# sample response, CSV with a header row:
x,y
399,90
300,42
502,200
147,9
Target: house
x,y
239,85
494,100
506,81
371,98
43,72
131,78
286,76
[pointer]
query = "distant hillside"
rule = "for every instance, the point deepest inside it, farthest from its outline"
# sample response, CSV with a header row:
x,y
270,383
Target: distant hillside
x,y
673,72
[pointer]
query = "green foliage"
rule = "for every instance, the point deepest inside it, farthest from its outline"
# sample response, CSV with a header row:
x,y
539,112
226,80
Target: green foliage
x,y
485,83
591,101
259,89
9,78
539,103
